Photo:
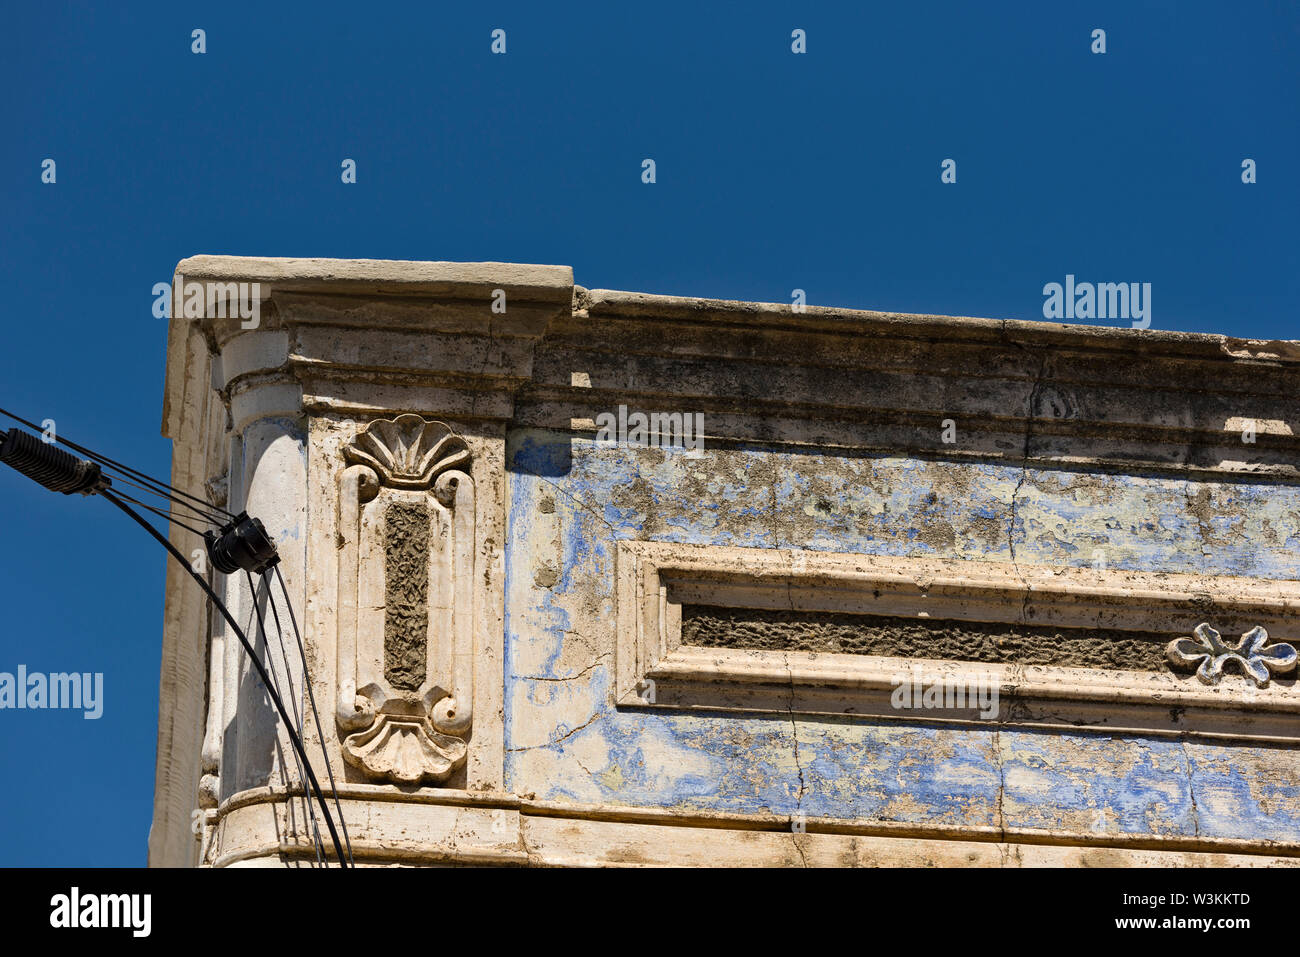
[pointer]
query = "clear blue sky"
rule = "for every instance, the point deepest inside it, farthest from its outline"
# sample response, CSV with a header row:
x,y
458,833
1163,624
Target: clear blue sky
x,y
775,171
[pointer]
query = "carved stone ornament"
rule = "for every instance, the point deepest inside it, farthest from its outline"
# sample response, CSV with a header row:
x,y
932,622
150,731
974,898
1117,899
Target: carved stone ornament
x,y
1257,658
405,604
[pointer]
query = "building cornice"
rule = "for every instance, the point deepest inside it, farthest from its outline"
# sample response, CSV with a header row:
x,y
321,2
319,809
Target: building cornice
x,y
1043,393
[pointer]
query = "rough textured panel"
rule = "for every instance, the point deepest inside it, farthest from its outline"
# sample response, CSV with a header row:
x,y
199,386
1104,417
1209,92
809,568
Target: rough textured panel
x,y
406,599
1009,643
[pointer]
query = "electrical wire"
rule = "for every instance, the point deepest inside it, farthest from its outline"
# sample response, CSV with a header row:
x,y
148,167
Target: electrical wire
x,y
270,664
126,469
311,698
257,664
161,513
293,729
298,707
216,520
293,699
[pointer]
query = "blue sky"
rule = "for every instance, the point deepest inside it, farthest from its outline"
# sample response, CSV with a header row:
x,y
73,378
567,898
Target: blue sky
x,y
775,171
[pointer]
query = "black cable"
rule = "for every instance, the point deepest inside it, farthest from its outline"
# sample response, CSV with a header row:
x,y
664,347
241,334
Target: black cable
x,y
248,548
161,513
243,640
311,697
105,460
110,465
297,703
207,517
297,715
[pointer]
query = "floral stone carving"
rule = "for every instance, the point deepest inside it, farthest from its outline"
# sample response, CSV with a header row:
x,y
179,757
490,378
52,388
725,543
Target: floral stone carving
x,y
1256,657
405,605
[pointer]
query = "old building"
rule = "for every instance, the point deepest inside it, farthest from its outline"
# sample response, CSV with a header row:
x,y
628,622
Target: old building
x,y
596,577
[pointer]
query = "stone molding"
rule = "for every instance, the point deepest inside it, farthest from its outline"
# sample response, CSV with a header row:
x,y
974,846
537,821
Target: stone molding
x,y
446,826
655,670
1027,392
1031,393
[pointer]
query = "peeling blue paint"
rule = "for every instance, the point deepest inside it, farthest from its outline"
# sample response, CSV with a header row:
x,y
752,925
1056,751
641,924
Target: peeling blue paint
x,y
863,768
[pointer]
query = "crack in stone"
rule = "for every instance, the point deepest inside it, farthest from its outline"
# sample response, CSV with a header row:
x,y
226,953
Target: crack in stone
x,y
794,727
1191,789
776,536
572,498
582,638
1002,785
1034,393
794,839
794,730
568,734
572,677
794,735
1202,530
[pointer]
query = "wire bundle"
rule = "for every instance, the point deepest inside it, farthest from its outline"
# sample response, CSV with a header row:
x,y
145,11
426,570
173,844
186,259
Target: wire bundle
x,y
233,543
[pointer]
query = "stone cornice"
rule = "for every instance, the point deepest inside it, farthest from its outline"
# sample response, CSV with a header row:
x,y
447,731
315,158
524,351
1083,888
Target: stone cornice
x,y
1020,392
385,277
1017,392
611,304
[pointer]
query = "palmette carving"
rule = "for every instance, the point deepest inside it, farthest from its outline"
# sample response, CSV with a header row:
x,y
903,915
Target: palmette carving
x,y
405,750
408,451
405,654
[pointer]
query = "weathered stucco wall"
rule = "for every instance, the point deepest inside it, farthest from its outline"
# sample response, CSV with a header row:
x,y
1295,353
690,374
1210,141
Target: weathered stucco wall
x,y
571,499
